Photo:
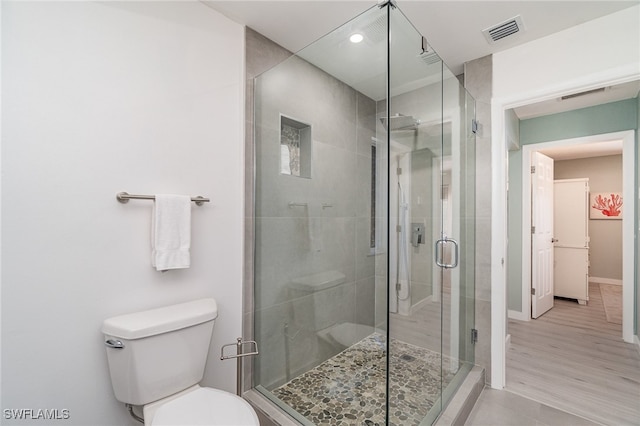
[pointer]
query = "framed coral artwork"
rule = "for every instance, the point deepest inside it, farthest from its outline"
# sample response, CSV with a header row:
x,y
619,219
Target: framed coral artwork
x,y
606,205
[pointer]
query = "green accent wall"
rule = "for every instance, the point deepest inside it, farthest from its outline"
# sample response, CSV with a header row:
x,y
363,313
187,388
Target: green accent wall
x,y
607,118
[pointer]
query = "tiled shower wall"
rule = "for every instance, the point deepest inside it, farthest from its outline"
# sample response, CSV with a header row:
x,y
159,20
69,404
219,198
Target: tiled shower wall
x,y
306,226
260,55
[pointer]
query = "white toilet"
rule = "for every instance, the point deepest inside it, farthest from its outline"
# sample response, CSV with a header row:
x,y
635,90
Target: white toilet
x,y
156,360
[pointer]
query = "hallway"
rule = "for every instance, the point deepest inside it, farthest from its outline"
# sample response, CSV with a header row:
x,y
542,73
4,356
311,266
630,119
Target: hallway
x,y
572,359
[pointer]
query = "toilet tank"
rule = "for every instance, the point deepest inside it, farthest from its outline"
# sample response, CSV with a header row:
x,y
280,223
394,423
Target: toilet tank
x,y
164,350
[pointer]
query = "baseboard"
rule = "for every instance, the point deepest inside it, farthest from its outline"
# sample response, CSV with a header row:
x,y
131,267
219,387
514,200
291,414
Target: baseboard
x,y
605,280
517,315
507,341
637,342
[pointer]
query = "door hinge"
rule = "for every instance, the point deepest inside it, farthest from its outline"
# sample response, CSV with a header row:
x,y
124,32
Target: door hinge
x,y
474,125
398,171
533,229
533,291
398,228
533,169
474,336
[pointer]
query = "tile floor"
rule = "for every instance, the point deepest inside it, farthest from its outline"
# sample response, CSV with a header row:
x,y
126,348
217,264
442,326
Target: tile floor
x,y
503,408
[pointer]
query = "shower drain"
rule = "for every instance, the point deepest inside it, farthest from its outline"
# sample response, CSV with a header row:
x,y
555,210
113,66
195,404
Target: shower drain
x,y
407,357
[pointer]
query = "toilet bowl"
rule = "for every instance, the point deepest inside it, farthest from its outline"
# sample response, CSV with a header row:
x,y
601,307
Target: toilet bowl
x,y
200,406
156,360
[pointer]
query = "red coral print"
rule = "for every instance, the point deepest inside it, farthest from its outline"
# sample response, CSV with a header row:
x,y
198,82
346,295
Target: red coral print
x,y
608,206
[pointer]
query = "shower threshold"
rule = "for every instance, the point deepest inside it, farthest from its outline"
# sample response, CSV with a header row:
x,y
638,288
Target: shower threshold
x,y
349,388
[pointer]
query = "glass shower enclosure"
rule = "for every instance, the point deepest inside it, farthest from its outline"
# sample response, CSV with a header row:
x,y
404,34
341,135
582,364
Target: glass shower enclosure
x,y
364,227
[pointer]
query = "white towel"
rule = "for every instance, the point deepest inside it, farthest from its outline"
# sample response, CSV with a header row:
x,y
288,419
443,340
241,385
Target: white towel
x,y
285,160
171,232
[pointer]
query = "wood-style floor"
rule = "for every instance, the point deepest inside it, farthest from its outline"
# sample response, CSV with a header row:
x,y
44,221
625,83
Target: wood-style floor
x,y
572,359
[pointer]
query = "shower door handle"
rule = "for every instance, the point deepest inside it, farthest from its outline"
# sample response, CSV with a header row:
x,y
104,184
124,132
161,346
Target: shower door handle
x,y
439,253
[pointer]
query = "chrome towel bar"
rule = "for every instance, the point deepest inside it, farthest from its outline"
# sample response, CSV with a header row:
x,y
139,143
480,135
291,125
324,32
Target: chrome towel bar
x,y
124,197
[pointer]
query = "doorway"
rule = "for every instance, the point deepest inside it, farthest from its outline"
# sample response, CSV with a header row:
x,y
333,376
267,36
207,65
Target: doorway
x,y
558,359
628,155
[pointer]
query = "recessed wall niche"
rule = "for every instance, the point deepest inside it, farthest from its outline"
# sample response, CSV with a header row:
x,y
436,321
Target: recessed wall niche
x,y
295,147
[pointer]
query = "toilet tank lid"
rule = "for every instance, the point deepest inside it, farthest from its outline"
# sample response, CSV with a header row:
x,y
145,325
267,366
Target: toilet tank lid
x,y
161,320
319,281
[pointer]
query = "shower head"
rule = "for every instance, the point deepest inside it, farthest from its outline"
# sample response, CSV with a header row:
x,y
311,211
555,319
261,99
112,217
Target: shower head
x,y
399,122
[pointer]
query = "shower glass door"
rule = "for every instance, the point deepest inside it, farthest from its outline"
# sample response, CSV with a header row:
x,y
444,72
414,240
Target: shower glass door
x,y
416,134
455,253
432,227
364,224
320,315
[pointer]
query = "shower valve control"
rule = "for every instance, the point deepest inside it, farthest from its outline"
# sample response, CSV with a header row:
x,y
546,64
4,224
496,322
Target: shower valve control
x,y
417,234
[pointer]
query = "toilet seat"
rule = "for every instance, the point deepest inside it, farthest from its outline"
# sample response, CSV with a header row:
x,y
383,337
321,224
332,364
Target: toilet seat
x,y
205,406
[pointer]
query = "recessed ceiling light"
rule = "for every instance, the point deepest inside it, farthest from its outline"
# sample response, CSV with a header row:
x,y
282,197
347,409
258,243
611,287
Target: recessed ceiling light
x,y
356,38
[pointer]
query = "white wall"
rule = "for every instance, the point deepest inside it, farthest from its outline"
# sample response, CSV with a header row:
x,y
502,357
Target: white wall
x,y
143,97
599,52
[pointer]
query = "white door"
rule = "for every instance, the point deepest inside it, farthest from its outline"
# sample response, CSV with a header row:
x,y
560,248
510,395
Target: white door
x,y
571,232
542,234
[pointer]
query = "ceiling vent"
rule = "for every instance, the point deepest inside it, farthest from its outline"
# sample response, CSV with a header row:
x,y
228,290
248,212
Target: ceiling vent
x,y
504,29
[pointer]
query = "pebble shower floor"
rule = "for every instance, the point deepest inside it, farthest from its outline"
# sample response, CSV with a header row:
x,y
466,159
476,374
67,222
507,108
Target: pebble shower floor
x,y
349,388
